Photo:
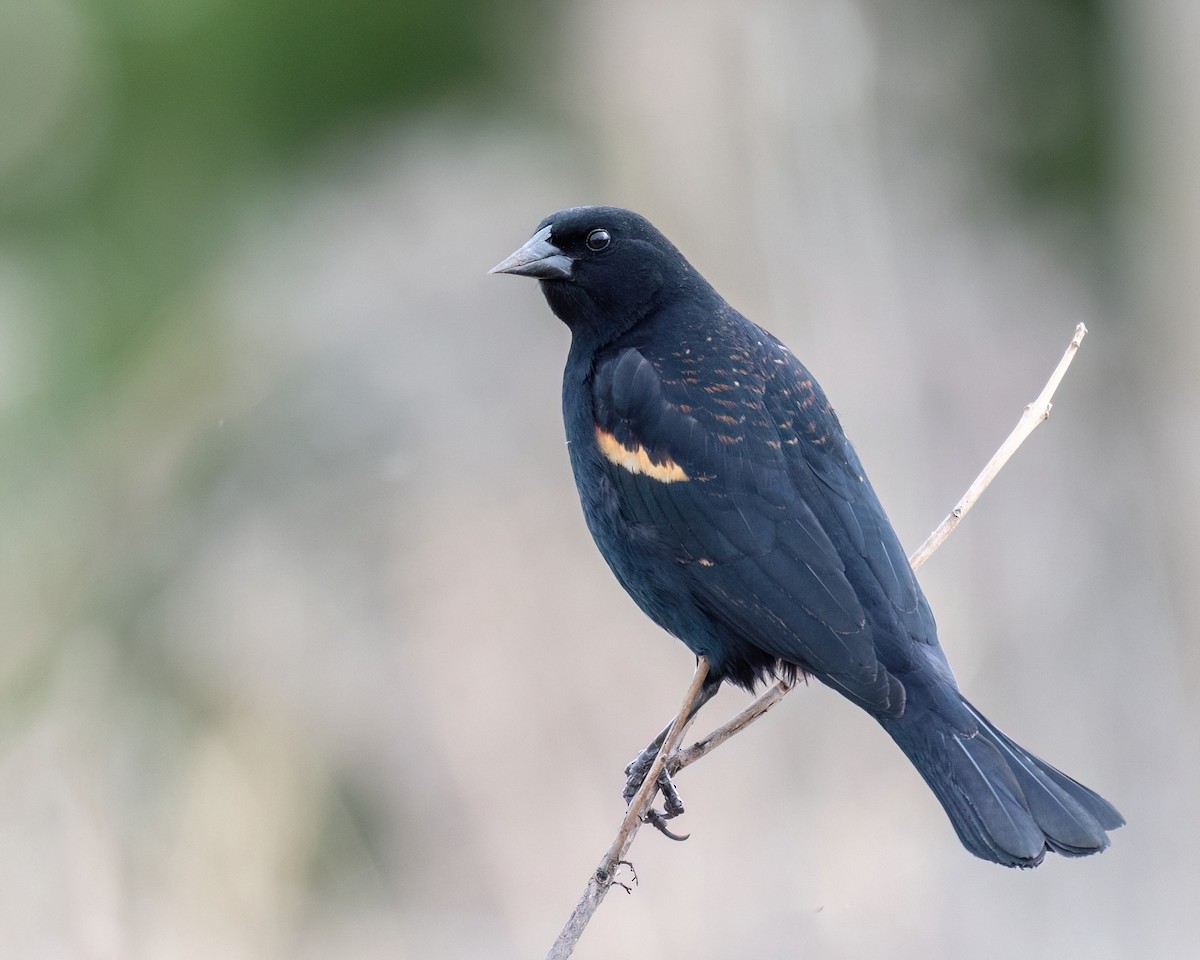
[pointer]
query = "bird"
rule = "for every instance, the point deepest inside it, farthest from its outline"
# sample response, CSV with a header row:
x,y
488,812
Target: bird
x,y
719,486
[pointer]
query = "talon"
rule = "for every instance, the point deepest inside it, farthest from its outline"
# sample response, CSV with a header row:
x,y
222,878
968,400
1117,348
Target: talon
x,y
659,822
672,808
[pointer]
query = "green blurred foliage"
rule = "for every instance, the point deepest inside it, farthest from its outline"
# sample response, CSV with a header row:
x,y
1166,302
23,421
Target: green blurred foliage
x,y
1046,121
149,120
132,135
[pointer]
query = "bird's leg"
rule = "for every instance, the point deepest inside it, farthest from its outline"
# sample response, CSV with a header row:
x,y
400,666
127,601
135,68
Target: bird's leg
x,y
672,807
639,766
635,773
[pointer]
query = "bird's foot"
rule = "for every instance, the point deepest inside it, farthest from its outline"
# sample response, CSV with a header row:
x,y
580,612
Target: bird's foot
x,y
635,773
672,807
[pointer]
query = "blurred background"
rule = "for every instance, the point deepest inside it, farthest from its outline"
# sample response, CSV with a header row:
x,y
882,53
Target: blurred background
x,y
304,648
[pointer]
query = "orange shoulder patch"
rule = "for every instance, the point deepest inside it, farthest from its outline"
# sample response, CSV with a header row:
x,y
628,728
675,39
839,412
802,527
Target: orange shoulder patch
x,y
638,460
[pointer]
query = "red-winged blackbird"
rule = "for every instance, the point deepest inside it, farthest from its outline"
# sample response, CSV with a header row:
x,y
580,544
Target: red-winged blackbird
x,y
719,486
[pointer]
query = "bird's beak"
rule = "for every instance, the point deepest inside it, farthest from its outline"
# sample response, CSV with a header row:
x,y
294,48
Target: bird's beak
x,y
538,258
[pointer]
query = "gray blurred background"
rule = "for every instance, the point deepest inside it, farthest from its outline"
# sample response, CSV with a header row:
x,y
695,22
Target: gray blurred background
x,y
305,650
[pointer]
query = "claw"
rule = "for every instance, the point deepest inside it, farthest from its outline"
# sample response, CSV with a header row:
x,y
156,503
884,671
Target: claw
x,y
659,822
672,808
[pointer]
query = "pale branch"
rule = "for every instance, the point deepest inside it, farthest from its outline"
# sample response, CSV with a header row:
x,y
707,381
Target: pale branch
x,y
701,748
675,759
604,876
1034,414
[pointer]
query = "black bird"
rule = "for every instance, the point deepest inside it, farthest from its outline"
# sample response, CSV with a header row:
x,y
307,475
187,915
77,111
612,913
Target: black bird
x,y
719,486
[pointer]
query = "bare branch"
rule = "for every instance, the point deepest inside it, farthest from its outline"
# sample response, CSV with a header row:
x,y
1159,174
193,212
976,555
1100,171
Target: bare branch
x,y
602,879
701,748
1034,414
675,759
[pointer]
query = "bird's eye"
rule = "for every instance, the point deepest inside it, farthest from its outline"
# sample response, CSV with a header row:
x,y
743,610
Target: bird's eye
x,y
598,239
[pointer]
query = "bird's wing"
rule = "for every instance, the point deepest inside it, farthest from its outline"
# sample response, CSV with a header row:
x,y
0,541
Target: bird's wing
x,y
731,462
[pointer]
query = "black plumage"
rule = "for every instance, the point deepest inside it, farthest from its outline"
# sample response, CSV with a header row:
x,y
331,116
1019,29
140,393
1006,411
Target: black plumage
x,y
719,486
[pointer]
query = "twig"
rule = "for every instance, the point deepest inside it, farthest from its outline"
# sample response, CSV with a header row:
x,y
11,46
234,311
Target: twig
x,y
675,760
602,879
702,748
1035,413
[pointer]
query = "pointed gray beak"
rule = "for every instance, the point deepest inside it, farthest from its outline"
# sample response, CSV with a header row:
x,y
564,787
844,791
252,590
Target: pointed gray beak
x,y
538,258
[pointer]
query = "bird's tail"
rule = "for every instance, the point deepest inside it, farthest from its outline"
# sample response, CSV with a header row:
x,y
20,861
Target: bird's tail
x,y
1006,805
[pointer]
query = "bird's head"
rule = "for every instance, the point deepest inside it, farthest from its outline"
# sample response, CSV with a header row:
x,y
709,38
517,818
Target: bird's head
x,y
602,269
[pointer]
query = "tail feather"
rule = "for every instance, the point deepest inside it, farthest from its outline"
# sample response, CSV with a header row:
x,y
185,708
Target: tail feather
x,y
1104,812
1073,817
1006,805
